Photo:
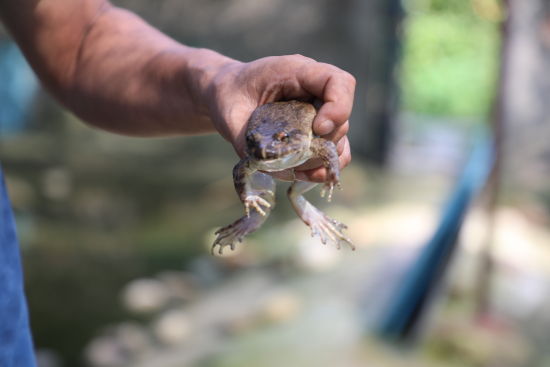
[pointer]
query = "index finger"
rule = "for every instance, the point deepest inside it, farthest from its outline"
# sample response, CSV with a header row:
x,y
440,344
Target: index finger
x,y
335,88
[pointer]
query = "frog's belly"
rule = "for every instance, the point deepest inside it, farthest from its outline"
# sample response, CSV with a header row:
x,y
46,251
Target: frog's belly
x,y
279,164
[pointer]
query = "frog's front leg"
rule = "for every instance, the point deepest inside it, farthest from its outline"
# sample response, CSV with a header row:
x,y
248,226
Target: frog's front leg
x,y
256,191
326,150
243,179
328,229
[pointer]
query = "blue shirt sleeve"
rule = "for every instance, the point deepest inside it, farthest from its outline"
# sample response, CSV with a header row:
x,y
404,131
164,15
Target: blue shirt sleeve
x,y
16,349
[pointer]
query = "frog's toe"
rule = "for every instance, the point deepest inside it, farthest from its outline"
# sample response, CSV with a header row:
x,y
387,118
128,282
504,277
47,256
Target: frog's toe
x,y
327,190
329,230
228,236
257,203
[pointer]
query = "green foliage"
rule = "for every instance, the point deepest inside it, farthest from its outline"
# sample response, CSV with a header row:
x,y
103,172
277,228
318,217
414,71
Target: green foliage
x,y
461,6
450,61
455,7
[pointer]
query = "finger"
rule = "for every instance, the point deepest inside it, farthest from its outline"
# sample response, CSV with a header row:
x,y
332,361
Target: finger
x,y
336,88
281,83
345,158
338,133
341,145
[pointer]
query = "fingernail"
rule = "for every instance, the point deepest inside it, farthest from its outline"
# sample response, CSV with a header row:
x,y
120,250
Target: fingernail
x,y
340,146
325,127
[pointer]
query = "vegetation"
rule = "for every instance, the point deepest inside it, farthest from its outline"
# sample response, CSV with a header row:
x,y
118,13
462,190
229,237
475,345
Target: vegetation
x,y
449,61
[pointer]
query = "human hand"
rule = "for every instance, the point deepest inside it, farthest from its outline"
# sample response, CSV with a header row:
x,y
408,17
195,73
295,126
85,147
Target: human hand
x,y
238,88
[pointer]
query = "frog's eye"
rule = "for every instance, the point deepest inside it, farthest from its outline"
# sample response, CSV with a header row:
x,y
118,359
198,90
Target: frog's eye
x,y
281,136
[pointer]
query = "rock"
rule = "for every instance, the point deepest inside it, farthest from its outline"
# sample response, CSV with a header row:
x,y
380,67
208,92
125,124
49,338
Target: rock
x,y
47,358
133,339
181,285
281,306
145,295
57,183
173,327
105,351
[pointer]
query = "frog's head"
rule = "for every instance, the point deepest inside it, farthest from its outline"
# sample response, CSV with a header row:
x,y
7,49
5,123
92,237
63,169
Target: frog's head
x,y
276,141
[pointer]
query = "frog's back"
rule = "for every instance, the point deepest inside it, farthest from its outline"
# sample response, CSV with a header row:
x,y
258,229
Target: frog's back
x,y
292,114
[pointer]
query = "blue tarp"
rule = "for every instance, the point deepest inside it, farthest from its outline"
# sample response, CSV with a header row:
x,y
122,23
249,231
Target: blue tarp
x,y
18,85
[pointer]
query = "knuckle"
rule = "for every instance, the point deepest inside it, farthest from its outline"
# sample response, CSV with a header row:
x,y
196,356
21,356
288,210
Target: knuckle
x,y
349,81
342,74
299,58
330,69
344,128
341,116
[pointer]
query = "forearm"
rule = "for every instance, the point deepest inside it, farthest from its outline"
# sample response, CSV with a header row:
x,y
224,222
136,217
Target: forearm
x,y
112,69
116,72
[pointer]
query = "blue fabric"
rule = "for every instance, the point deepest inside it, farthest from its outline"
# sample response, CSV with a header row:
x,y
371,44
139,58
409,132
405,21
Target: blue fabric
x,y
17,89
16,349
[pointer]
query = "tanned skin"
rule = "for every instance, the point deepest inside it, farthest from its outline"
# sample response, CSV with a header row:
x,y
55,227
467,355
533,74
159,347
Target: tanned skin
x,y
116,72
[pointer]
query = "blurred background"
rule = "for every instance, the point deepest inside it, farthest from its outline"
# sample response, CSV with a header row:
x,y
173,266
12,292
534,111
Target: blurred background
x,y
115,232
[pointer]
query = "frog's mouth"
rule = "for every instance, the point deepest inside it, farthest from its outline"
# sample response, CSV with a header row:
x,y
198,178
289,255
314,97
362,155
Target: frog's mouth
x,y
267,154
278,162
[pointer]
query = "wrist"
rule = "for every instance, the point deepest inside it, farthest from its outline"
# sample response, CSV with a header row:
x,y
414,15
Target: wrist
x,y
203,68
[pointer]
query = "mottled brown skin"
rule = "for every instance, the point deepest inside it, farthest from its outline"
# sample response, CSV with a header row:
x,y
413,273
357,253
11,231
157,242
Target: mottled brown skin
x,y
279,136
278,129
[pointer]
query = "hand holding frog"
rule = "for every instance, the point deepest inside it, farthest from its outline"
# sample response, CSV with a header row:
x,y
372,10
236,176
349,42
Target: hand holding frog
x,y
239,88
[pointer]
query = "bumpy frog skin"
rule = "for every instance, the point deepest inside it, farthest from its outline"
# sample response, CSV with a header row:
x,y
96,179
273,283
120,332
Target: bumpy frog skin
x,y
279,136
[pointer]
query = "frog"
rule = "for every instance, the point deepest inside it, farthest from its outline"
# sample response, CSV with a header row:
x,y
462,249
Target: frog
x,y
279,136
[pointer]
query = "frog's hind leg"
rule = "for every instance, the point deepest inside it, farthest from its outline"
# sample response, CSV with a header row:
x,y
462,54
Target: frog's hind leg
x,y
264,187
328,229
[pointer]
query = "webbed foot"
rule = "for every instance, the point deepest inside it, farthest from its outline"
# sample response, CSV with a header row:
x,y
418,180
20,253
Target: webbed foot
x,y
229,235
329,230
